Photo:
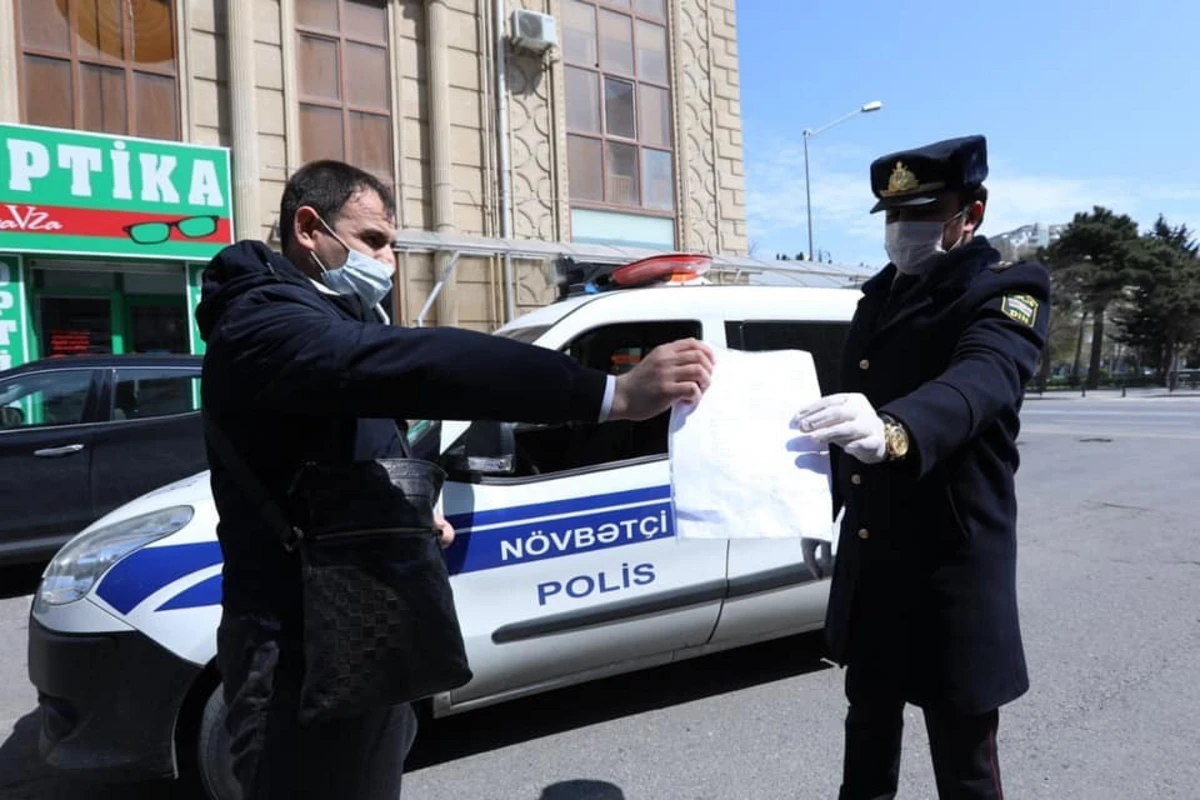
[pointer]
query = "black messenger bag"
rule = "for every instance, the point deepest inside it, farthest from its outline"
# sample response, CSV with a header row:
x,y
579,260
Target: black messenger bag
x,y
380,625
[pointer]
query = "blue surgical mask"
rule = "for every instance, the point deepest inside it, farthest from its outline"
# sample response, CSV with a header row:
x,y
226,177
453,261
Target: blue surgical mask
x,y
361,275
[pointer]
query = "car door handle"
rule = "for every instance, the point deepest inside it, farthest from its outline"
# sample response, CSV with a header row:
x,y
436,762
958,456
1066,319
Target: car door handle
x,y
55,452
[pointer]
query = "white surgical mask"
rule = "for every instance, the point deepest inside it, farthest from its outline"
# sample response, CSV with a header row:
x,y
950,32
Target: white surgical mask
x,y
361,275
912,245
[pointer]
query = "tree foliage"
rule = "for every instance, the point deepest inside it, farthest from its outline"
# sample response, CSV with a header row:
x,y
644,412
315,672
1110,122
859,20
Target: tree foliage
x,y
1147,283
1163,310
1095,259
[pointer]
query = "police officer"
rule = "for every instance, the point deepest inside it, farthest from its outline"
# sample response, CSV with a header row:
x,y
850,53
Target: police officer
x,y
923,605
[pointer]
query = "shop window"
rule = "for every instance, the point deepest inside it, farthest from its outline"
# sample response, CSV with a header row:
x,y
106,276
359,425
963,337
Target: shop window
x,y
45,399
142,393
72,326
162,283
343,61
100,65
72,280
157,326
620,152
824,340
85,311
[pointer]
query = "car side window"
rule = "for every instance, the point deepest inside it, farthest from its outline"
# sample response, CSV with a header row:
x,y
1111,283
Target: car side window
x,y
615,349
824,340
45,399
146,392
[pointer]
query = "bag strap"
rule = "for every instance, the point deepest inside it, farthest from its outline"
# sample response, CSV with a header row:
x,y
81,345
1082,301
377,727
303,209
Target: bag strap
x,y
269,510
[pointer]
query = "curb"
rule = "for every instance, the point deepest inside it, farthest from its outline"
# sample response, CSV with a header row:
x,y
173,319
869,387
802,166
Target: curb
x,y
1109,395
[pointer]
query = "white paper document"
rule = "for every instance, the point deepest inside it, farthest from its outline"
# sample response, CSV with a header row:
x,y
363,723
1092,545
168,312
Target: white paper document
x,y
740,468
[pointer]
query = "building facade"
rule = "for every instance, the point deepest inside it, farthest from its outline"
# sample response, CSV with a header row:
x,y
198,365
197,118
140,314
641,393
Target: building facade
x,y
137,137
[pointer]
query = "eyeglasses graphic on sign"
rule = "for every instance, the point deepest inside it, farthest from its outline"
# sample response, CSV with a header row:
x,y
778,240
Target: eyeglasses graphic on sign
x,y
159,232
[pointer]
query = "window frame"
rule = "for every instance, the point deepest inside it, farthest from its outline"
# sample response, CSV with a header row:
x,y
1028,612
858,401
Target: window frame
x,y
108,402
735,339
75,61
698,326
343,104
91,404
637,142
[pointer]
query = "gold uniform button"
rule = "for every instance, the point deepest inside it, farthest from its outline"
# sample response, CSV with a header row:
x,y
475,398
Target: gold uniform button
x,y
856,480
864,534
864,364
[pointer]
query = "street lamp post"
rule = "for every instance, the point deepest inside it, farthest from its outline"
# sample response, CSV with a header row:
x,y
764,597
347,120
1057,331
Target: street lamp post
x,y
867,108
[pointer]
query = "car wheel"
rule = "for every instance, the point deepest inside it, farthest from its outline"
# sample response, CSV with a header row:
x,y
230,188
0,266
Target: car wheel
x,y
213,762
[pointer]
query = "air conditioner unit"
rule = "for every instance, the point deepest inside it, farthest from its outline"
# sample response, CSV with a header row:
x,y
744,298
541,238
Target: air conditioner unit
x,y
533,31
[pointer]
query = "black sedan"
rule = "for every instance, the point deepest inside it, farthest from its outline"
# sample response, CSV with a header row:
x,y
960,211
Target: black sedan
x,y
80,436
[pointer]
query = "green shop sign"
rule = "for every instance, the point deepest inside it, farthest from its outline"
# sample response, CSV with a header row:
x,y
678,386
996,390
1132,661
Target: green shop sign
x,y
65,191
14,346
195,281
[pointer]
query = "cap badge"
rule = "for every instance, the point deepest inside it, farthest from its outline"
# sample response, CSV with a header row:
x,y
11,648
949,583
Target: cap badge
x,y
902,179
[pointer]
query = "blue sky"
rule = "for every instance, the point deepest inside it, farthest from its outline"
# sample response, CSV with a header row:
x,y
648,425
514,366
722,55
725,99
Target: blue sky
x,y
1083,103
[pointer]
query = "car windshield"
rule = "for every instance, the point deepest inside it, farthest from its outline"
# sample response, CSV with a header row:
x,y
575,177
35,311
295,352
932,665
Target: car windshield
x,y
423,434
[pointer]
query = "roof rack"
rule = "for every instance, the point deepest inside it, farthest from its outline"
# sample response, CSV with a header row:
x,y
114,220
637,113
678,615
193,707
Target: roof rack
x,y
581,277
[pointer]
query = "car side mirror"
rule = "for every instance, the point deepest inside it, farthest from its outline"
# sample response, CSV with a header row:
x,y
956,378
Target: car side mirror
x,y
487,448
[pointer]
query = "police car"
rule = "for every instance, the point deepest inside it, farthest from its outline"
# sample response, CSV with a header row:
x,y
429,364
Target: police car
x,y
565,567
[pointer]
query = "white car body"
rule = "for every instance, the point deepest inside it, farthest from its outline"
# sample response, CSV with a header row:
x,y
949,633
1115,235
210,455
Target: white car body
x,y
559,577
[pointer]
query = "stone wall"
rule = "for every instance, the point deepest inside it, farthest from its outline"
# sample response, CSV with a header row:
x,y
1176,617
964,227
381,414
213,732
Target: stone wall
x,y
708,127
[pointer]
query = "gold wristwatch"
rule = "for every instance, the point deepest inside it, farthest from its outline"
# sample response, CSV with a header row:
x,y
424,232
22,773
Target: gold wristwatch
x,y
895,438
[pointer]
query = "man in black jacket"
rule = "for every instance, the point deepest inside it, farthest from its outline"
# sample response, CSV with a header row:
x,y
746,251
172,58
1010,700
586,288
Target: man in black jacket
x,y
301,366
923,605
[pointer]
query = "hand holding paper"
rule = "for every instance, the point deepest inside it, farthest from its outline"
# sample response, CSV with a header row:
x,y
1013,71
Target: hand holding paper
x,y
673,372
740,467
848,421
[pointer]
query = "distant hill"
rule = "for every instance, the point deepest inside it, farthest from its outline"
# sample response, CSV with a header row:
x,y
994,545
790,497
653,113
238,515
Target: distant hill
x,y
1025,240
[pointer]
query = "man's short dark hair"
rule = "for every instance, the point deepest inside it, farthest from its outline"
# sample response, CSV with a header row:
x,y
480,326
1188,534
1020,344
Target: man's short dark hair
x,y
326,186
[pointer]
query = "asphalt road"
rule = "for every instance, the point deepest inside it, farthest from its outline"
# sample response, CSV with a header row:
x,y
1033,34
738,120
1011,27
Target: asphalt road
x,y
1110,598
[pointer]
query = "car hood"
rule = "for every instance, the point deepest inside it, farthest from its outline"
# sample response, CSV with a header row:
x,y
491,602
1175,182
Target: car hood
x,y
194,490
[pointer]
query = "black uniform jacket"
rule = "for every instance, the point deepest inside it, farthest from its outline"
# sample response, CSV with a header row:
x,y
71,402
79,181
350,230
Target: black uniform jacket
x,y
924,587
293,375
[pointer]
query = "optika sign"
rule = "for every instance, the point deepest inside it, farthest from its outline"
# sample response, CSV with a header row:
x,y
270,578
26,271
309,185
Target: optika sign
x,y
92,194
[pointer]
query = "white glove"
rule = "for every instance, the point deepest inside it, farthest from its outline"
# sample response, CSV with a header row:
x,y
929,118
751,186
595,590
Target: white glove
x,y
848,421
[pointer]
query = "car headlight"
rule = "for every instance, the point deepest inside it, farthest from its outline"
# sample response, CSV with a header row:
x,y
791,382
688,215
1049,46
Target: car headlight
x,y
85,559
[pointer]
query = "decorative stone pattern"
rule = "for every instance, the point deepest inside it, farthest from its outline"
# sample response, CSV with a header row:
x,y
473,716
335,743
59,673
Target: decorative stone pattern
x,y
695,153
708,127
723,53
709,173
532,131
535,288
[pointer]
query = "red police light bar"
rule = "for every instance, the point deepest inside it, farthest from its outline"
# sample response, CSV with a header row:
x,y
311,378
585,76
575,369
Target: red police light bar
x,y
669,268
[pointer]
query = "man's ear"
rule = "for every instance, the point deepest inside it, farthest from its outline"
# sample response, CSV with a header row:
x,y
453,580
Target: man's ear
x,y
306,222
975,213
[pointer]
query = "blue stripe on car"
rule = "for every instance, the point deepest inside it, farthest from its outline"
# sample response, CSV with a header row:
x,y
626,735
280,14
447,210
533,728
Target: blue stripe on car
x,y
590,530
204,593
134,579
474,519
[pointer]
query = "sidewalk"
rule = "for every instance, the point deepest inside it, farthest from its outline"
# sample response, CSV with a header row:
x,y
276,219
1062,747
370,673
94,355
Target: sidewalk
x,y
1153,393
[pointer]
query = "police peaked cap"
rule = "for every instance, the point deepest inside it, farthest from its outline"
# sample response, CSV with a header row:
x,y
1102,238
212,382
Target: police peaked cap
x,y
916,177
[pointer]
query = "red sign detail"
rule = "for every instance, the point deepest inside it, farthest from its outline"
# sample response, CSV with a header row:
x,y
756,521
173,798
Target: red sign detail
x,y
26,218
63,343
